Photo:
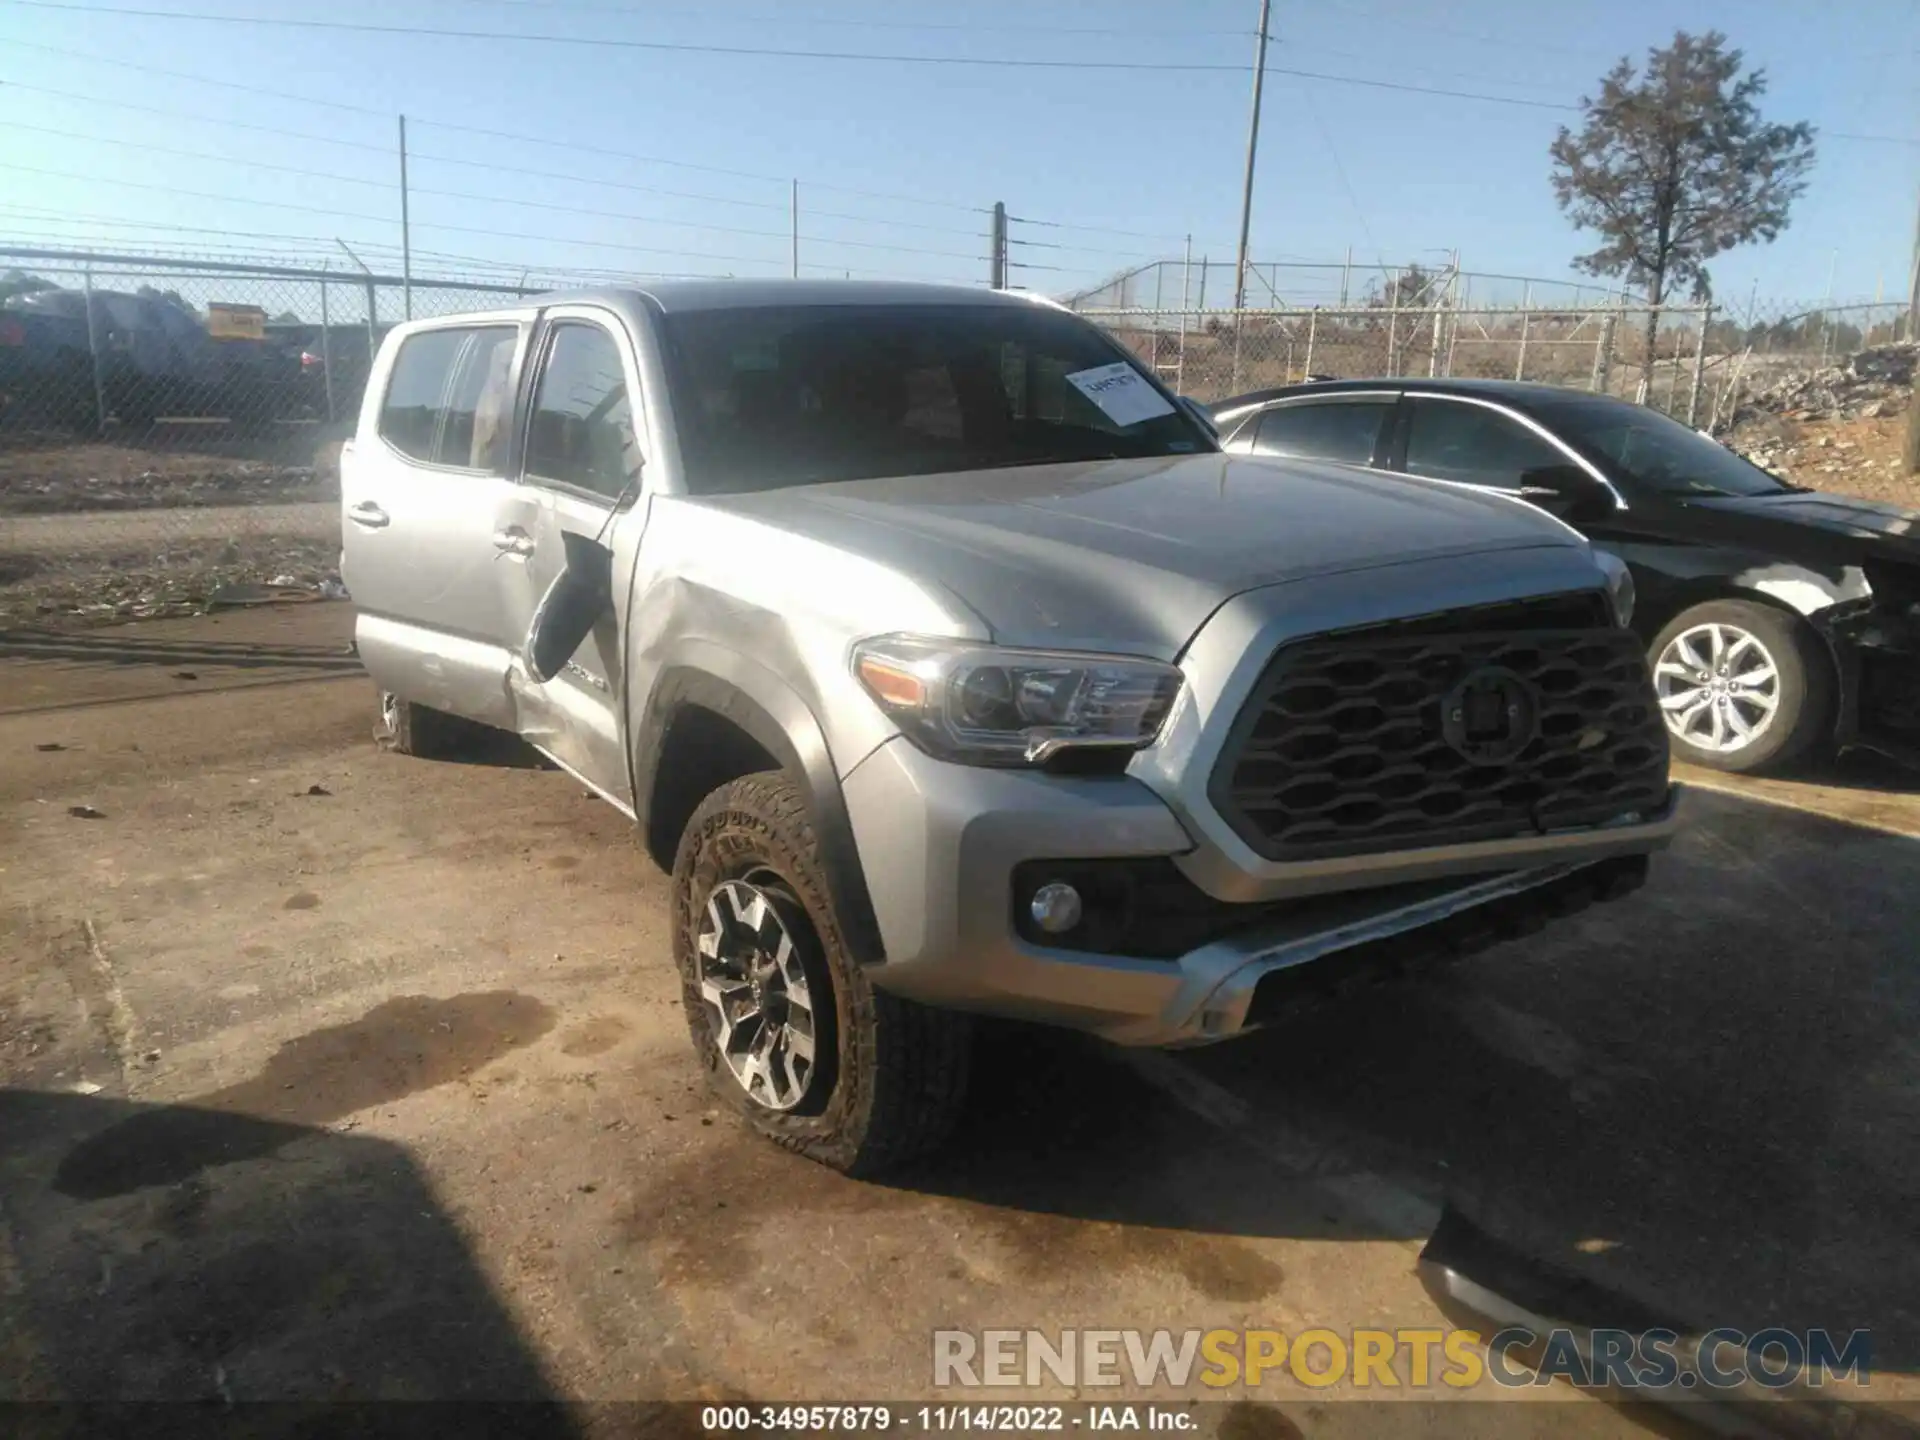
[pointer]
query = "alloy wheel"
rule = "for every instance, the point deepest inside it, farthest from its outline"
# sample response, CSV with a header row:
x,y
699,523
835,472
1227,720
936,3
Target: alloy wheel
x,y
753,981
1719,688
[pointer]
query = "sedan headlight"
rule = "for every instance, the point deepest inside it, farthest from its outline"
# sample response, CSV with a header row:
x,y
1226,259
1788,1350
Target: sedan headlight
x,y
982,705
1619,586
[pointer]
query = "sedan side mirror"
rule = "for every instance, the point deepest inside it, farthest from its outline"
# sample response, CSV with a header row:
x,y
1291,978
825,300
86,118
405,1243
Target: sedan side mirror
x,y
1201,414
1568,492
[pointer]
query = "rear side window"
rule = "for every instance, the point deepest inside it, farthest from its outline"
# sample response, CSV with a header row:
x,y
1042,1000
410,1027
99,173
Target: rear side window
x,y
582,432
1343,430
450,397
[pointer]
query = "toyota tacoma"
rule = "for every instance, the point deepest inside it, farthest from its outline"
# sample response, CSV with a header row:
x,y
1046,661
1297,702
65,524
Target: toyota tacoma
x,y
951,669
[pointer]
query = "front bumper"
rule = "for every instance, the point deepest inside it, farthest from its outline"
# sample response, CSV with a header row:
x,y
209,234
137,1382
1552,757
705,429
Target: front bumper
x,y
1876,649
939,844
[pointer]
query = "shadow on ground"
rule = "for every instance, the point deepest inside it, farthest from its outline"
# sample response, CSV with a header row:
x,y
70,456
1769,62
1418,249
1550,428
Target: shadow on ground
x,y
1706,1097
262,1259
1701,1104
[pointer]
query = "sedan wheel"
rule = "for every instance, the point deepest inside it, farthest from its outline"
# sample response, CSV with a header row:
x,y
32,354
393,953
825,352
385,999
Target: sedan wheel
x,y
1743,686
1719,687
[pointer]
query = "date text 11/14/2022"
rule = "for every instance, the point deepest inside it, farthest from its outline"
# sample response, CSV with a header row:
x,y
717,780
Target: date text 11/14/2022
x,y
936,1419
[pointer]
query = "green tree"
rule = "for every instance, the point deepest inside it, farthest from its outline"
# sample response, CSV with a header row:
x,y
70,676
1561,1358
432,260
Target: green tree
x,y
1673,165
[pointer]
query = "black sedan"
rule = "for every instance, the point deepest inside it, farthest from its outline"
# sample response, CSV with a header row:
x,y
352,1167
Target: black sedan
x,y
1777,619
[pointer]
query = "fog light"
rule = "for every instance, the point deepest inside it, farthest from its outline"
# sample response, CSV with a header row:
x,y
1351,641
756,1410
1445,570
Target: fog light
x,y
1055,908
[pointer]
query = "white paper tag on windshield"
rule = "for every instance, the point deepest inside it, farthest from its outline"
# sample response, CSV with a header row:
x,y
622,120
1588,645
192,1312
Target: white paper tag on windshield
x,y
1121,392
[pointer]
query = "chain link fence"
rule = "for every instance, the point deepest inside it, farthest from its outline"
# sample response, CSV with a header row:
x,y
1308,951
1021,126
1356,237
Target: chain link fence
x,y
1202,284
1211,355
169,429
1699,363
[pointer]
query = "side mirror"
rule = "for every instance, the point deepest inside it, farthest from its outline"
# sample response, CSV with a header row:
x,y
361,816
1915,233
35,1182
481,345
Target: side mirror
x,y
580,594
1568,492
1201,414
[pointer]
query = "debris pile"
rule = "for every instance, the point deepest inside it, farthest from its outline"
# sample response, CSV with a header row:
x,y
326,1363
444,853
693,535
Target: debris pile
x,y
1867,386
1836,428
105,588
26,489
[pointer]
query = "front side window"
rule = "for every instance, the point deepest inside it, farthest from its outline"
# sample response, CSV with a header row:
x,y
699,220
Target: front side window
x,y
1649,451
1333,430
766,397
582,433
1448,440
449,397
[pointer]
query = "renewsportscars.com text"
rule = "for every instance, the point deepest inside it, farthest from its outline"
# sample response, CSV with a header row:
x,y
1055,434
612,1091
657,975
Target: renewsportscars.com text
x,y
1413,1358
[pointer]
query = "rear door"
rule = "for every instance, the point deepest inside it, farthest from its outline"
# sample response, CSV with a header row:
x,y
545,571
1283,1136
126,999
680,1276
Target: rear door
x,y
581,464
430,514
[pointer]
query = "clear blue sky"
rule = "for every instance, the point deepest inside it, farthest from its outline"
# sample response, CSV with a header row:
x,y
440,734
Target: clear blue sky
x,y
1158,154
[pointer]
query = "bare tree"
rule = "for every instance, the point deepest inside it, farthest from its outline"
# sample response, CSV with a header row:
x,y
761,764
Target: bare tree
x,y
1674,165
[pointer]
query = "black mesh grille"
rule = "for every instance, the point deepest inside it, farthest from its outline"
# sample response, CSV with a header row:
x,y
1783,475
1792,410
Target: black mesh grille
x,y
1343,749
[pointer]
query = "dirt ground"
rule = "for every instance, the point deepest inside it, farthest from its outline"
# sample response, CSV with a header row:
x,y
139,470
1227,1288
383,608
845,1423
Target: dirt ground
x,y
171,468
333,1074
1859,456
102,532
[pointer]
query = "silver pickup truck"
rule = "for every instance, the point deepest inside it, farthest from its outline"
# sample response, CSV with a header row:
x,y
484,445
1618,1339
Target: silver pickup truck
x,y
951,669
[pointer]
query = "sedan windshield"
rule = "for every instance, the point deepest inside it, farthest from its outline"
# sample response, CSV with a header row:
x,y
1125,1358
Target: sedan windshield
x,y
767,397
1644,449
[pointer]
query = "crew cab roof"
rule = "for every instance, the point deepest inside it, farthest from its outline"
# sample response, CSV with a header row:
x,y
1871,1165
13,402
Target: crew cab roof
x,y
673,296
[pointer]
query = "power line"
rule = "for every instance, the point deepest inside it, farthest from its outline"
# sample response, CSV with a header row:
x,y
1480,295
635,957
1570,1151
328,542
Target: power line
x,y
387,115
325,245
483,199
683,48
271,94
623,43
198,155
650,12
490,165
383,219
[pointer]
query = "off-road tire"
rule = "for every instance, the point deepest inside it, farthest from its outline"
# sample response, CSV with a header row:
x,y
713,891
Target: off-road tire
x,y
892,1075
405,728
1808,686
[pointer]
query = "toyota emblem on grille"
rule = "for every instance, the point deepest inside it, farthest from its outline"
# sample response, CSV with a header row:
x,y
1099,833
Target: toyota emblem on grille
x,y
1490,716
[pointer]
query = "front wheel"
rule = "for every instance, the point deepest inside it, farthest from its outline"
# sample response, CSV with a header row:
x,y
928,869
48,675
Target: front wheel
x,y
786,1023
1743,687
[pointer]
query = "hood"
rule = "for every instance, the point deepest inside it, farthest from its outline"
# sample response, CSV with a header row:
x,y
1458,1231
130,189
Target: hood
x,y
1813,527
1136,554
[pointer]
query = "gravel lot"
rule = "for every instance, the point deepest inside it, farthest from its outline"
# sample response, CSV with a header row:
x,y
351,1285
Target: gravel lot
x,y
381,1089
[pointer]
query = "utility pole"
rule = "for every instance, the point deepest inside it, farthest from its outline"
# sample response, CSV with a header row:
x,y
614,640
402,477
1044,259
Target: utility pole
x,y
406,231
997,259
793,220
1253,144
1911,455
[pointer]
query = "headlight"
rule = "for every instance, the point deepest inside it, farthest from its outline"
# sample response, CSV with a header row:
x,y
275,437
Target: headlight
x,y
982,705
1619,586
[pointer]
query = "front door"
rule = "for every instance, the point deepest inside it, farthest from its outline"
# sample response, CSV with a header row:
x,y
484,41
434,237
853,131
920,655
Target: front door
x,y
582,462
428,513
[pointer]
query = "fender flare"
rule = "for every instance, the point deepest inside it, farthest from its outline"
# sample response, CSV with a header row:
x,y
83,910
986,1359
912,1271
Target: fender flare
x,y
764,706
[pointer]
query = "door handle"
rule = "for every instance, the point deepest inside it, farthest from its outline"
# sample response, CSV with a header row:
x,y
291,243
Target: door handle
x,y
513,541
368,514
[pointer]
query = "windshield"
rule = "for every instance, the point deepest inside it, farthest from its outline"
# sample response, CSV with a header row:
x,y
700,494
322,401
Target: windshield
x,y
777,396
1645,449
